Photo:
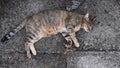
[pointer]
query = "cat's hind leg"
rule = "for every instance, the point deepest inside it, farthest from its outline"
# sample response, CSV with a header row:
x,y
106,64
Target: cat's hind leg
x,y
30,40
27,49
29,44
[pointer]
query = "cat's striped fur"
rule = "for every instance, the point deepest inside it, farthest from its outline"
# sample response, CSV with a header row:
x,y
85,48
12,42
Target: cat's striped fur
x,y
50,22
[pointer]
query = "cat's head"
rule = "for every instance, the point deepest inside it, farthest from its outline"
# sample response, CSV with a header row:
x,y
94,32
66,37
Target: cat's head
x,y
87,22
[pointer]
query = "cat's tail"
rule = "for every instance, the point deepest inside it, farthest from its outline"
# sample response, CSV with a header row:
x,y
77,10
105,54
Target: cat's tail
x,y
10,34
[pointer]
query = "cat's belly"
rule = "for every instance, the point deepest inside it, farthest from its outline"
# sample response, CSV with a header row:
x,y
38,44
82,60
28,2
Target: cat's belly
x,y
63,29
57,30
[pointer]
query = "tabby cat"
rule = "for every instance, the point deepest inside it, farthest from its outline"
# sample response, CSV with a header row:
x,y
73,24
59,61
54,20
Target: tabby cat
x,y
50,22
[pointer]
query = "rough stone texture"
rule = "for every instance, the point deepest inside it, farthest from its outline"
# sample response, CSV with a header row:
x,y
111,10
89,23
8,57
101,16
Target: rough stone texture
x,y
106,33
105,36
94,60
16,60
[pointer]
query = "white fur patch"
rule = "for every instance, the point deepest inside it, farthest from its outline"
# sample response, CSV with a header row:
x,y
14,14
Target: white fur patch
x,y
62,30
77,29
87,16
8,37
32,48
11,34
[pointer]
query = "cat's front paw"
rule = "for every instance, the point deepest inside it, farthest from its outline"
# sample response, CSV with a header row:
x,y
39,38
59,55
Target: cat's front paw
x,y
77,45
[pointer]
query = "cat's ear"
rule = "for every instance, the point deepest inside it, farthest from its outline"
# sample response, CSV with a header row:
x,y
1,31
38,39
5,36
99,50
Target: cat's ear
x,y
87,16
92,18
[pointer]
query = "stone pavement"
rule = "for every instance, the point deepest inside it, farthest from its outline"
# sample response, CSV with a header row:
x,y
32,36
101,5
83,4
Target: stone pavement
x,y
99,49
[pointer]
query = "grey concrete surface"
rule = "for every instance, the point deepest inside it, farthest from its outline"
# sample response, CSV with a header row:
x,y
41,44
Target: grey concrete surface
x,y
16,60
94,60
104,37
